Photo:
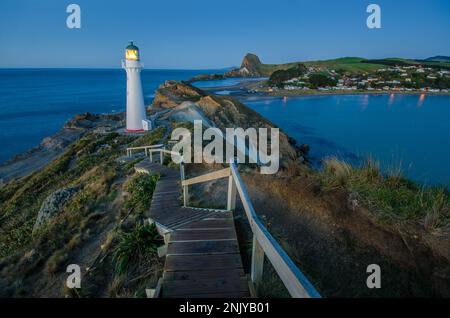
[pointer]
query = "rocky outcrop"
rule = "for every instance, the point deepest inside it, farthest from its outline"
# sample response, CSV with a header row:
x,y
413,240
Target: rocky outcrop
x,y
250,67
172,93
89,121
224,112
53,205
206,77
208,104
52,147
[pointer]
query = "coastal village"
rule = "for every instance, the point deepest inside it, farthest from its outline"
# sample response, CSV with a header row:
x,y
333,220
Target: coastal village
x,y
397,78
348,74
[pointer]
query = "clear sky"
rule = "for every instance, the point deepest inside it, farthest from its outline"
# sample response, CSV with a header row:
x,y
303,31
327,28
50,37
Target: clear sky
x,y
196,34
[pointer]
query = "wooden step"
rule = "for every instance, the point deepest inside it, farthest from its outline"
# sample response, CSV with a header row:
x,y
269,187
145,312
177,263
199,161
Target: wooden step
x,y
202,255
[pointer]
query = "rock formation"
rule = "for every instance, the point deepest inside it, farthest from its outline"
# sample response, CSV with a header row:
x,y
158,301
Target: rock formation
x,y
250,67
52,205
172,93
224,112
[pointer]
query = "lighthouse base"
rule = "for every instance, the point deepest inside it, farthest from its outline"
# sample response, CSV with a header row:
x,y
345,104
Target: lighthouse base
x,y
146,126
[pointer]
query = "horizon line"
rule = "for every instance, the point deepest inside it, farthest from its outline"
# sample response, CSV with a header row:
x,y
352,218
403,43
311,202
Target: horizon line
x,y
220,68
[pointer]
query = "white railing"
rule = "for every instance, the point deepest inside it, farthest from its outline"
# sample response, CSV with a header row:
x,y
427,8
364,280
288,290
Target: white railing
x,y
145,148
264,244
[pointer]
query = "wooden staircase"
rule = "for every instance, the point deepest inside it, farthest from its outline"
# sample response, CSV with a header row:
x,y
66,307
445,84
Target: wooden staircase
x,y
202,254
201,246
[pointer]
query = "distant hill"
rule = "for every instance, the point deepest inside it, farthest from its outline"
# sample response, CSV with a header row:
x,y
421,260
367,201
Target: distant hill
x,y
252,66
438,58
406,62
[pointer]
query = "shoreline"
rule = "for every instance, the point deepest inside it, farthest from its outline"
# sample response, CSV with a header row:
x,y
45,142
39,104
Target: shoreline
x,y
14,166
243,88
325,93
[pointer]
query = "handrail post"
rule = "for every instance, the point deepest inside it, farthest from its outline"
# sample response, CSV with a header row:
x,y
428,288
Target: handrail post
x,y
231,201
257,262
185,187
161,155
182,176
145,150
151,155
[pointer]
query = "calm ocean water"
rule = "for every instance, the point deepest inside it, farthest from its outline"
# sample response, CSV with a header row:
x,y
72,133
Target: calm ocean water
x,y
410,131
35,103
407,131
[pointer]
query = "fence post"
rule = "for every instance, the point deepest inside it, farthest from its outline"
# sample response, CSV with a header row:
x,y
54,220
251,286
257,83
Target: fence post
x,y
231,201
257,262
161,155
146,150
182,170
185,187
151,155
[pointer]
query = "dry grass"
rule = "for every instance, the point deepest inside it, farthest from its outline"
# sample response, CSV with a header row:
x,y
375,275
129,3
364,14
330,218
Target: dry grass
x,y
390,195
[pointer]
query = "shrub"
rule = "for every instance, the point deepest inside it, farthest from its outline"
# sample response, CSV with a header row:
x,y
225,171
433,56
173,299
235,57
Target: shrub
x,y
150,138
321,80
392,197
278,77
140,190
136,247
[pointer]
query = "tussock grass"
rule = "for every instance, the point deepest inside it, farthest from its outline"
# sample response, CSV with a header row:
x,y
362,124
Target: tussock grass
x,y
136,247
140,190
88,163
149,138
390,195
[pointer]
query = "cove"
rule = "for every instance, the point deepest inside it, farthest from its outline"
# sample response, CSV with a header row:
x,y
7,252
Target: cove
x,y
410,132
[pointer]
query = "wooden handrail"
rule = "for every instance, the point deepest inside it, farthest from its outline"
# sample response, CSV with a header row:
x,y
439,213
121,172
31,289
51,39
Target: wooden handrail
x,y
145,147
264,243
294,280
207,177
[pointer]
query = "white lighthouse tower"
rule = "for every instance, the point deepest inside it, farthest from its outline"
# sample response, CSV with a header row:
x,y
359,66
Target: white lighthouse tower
x,y
136,118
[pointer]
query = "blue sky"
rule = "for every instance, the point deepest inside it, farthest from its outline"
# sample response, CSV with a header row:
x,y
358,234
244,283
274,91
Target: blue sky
x,y
198,34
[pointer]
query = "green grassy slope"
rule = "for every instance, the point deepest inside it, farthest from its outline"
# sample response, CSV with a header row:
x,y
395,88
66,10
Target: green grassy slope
x,y
348,64
352,64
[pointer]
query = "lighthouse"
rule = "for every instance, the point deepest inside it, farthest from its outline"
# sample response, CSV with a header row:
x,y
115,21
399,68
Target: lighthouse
x,y
136,117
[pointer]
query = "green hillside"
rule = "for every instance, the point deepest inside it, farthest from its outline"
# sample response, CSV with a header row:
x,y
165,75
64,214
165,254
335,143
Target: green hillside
x,y
352,64
406,62
346,64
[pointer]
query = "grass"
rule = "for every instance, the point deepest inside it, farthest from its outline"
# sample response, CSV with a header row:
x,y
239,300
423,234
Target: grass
x,y
80,165
391,196
90,164
136,247
345,64
149,138
140,190
352,65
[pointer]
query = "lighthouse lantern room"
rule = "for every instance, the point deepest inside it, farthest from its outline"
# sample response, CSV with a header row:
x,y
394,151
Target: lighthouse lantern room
x,y
136,116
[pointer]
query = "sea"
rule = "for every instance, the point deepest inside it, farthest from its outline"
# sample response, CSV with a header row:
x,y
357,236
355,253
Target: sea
x,y
35,103
406,132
